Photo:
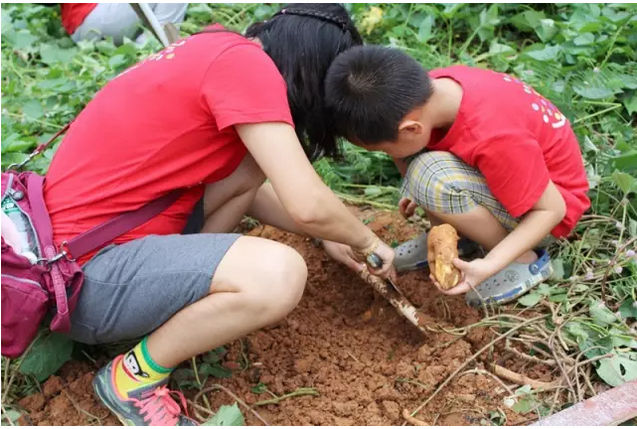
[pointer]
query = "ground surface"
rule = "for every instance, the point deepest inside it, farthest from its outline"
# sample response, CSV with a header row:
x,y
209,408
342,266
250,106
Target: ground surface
x,y
368,366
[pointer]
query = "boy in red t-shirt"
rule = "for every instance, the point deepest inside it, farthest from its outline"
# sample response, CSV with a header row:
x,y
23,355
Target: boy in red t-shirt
x,y
479,150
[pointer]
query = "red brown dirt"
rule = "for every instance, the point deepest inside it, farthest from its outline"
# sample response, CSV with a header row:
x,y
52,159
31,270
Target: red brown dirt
x,y
366,369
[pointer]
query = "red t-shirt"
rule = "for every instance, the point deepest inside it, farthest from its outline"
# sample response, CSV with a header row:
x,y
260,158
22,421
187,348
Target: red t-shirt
x,y
74,14
166,123
518,140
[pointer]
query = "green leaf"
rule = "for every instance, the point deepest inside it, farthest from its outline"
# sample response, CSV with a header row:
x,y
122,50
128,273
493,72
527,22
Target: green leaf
x,y
558,269
577,330
12,158
11,415
584,39
32,109
630,103
627,161
24,39
601,314
117,61
49,352
628,309
424,30
530,299
593,92
228,415
560,297
624,181
52,54
618,369
546,30
548,53
499,48
259,388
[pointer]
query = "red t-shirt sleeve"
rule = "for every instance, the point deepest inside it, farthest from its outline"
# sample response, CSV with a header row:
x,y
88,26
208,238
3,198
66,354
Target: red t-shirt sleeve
x,y
515,170
242,85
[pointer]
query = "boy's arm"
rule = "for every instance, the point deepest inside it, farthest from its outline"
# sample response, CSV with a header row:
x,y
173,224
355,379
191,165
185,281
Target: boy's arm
x,y
534,226
547,212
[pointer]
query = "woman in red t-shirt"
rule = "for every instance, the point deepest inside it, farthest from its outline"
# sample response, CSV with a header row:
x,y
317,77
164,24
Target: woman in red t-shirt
x,y
215,115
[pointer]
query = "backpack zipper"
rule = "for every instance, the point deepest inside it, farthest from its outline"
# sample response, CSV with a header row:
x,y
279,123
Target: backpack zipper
x,y
27,281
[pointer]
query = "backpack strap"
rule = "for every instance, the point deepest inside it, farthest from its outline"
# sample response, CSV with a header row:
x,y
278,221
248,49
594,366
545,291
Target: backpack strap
x,y
107,231
38,150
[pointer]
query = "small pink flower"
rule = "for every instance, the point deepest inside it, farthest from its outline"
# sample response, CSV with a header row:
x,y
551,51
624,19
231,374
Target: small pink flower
x,y
589,275
618,269
630,253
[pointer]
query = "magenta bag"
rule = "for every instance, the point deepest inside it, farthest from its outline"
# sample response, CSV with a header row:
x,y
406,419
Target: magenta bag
x,y
38,275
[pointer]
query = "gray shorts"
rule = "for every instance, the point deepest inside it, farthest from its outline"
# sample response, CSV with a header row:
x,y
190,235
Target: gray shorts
x,y
131,289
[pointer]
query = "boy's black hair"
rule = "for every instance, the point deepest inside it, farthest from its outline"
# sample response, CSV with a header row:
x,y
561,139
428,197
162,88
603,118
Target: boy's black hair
x,y
370,89
303,39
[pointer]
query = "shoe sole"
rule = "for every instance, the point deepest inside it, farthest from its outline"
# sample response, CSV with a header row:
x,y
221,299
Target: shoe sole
x,y
124,421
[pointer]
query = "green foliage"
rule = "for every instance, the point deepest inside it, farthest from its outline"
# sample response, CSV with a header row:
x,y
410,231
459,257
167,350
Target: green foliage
x,y
47,354
228,415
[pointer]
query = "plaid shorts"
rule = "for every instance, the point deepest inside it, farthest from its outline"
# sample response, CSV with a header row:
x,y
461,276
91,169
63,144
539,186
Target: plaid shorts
x,y
442,183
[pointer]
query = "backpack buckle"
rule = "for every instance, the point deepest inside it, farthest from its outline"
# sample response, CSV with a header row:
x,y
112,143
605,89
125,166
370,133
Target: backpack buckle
x,y
64,253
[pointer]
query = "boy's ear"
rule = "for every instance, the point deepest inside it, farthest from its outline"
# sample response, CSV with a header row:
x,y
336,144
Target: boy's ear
x,y
410,126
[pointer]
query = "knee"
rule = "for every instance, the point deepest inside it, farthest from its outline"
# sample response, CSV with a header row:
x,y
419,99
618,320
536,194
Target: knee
x,y
284,278
436,180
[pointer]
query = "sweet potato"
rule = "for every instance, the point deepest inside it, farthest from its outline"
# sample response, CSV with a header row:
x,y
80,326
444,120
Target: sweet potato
x,y
442,248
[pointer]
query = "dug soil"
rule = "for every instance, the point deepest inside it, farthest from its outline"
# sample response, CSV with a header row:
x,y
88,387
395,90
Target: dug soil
x,y
367,363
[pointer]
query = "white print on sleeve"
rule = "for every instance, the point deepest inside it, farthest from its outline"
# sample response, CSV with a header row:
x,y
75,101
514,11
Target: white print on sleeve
x,y
550,113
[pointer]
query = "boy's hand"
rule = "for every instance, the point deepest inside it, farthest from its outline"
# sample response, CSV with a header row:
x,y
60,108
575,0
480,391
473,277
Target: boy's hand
x,y
474,273
407,207
344,254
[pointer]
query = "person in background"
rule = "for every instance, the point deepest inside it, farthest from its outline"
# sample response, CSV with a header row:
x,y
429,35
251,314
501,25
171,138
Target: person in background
x,y
92,21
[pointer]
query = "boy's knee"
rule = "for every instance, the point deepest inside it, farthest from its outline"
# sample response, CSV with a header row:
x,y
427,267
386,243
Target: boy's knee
x,y
432,182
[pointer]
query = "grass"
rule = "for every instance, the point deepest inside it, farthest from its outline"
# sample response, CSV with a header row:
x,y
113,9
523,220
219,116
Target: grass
x,y
580,56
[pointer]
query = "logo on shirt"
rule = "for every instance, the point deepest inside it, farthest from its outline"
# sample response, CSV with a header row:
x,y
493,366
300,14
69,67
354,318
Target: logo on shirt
x,y
168,54
549,112
132,368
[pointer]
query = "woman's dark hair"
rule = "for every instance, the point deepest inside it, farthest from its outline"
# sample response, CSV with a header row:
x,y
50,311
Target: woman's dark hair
x,y
303,40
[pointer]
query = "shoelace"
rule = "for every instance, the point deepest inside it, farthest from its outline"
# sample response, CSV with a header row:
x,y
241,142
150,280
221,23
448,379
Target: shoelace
x,y
160,409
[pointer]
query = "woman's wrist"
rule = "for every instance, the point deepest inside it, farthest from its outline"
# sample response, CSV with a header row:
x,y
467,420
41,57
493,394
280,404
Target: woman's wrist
x,y
368,247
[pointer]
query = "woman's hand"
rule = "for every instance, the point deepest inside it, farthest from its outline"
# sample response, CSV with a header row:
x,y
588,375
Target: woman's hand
x,y
386,255
407,207
474,273
344,254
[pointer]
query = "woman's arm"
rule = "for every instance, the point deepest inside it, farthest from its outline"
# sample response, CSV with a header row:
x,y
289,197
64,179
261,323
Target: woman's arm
x,y
310,204
267,209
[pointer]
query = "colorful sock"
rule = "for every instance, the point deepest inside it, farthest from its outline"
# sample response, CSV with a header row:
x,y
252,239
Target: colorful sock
x,y
138,369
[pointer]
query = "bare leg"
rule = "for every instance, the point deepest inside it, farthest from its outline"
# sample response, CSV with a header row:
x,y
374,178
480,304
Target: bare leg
x,y
227,201
257,283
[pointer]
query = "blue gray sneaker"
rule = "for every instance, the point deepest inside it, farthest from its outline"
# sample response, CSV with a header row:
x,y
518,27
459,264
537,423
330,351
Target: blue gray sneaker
x,y
513,281
150,405
412,254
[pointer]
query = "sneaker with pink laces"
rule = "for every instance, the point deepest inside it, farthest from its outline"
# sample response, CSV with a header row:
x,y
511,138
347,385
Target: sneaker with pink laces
x,y
151,405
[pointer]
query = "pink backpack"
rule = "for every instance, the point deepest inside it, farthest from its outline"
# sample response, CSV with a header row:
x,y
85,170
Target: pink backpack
x,y
37,275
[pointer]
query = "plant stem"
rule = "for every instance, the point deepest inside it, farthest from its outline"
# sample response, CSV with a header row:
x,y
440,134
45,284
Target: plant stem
x,y
303,391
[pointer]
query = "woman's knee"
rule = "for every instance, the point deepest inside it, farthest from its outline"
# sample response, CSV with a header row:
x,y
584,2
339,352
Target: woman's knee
x,y
270,276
